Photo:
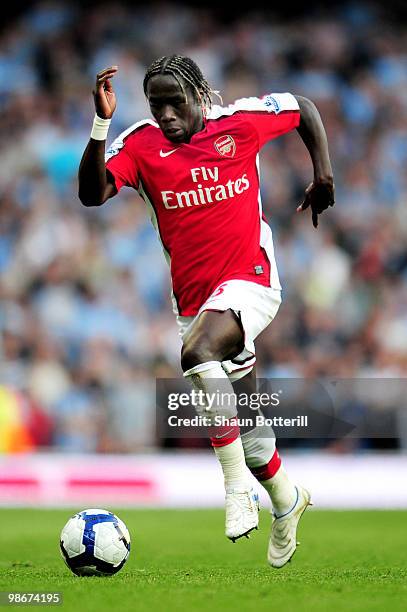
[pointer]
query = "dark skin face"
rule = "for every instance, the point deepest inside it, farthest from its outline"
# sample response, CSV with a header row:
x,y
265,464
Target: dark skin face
x,y
179,118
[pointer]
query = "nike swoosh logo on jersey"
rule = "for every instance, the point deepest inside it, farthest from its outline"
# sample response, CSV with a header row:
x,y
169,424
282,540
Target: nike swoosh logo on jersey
x,y
167,153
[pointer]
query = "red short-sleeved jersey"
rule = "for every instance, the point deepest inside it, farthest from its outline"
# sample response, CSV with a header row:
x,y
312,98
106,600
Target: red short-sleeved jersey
x,y
204,196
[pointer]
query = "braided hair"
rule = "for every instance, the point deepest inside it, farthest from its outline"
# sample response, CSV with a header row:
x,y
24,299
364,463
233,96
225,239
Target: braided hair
x,y
183,68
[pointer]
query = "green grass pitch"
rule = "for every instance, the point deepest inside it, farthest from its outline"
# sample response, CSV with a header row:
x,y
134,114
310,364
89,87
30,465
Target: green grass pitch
x,y
180,560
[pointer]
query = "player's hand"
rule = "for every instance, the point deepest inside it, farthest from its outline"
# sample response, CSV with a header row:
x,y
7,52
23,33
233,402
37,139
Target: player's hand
x,y
103,94
319,195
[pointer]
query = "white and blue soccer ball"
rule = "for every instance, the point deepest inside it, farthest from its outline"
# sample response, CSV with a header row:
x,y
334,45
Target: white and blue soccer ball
x,y
95,542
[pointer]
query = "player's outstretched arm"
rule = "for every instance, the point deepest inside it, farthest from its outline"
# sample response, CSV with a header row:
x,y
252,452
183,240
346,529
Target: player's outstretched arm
x,y
321,192
95,183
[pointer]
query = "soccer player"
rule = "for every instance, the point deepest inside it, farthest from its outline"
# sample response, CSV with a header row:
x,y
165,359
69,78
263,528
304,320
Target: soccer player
x,y
196,167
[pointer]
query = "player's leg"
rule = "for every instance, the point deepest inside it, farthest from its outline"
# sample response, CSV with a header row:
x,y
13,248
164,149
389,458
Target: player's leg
x,y
261,455
288,500
215,337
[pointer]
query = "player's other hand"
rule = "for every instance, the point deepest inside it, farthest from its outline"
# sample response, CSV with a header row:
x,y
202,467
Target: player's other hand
x,y
103,94
319,195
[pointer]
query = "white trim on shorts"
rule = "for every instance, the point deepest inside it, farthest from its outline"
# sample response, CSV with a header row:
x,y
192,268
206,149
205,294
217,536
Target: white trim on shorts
x,y
255,305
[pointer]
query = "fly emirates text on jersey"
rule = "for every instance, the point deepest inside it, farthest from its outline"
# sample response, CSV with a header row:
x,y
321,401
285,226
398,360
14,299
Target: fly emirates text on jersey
x,y
212,191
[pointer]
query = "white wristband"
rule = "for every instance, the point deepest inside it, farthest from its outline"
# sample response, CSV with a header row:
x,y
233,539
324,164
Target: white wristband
x,y
100,128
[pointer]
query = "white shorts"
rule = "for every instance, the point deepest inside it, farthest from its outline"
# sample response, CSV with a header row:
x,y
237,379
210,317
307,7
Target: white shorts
x,y
255,305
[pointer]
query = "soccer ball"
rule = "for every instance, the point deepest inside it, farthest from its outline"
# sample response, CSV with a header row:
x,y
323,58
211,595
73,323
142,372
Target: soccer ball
x,y
95,542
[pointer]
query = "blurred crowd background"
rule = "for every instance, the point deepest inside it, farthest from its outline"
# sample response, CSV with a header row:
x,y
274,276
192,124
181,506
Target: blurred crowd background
x,y
86,324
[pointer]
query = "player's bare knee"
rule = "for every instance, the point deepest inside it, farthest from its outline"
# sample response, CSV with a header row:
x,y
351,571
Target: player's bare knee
x,y
196,352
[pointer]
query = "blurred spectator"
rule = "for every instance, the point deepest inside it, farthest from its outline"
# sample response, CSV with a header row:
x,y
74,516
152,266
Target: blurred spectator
x,y
24,426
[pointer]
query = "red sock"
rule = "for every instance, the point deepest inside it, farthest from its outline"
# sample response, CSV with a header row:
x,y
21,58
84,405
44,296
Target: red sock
x,y
222,435
270,469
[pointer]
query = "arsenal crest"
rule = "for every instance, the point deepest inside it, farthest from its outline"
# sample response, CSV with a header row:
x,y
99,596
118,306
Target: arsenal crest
x,y
225,145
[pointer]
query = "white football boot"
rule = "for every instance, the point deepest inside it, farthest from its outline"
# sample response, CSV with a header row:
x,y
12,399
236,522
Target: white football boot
x,y
242,512
283,537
